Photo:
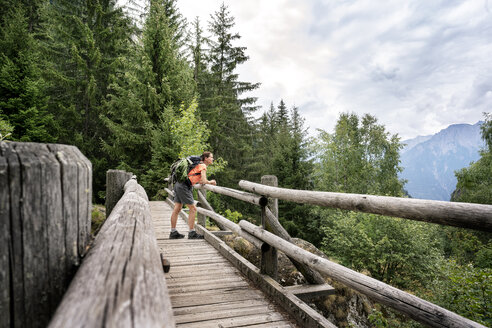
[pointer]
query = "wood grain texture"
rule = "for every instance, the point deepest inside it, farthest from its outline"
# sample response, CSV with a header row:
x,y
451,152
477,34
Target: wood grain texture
x,y
70,212
18,319
416,308
464,215
34,235
37,235
51,200
120,282
5,296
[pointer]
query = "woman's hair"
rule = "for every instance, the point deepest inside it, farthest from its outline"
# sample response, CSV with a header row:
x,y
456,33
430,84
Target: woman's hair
x,y
206,154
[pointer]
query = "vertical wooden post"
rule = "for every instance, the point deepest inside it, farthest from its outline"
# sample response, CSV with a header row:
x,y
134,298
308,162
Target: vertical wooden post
x,y
269,262
202,219
271,180
115,182
45,213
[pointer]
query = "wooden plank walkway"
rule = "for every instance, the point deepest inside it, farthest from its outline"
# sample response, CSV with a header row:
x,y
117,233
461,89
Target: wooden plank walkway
x,y
206,289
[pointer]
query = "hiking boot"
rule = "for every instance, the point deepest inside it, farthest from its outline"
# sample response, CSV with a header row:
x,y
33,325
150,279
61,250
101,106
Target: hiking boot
x,y
194,235
175,235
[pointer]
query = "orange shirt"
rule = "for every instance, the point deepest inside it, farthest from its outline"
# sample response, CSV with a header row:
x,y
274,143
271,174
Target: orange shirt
x,y
197,169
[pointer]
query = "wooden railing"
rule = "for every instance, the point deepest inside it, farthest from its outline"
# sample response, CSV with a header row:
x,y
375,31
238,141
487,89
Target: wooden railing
x,y
466,215
121,281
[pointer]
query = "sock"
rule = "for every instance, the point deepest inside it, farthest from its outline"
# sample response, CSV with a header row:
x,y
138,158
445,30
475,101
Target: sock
x,y
173,229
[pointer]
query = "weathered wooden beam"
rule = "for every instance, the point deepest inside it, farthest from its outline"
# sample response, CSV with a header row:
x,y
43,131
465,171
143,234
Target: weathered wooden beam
x,y
269,256
45,223
308,292
231,226
221,233
237,194
121,281
464,215
204,202
202,197
5,296
416,308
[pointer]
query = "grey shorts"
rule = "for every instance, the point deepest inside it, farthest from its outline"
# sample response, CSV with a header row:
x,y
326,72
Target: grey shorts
x,y
183,194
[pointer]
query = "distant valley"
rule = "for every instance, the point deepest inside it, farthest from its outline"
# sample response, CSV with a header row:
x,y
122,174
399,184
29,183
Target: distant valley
x,y
429,162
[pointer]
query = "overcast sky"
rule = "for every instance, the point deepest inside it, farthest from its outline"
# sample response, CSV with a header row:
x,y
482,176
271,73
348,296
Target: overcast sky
x,y
417,65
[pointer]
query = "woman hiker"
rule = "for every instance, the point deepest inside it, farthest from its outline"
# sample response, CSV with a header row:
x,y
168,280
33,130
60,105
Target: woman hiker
x,y
183,194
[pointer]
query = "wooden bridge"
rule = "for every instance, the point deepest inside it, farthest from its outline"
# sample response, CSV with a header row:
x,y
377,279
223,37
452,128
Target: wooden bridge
x,y
206,290
121,280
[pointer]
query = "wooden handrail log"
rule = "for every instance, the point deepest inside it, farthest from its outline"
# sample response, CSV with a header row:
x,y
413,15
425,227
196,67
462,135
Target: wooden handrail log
x,y
204,202
415,307
121,281
169,191
231,226
271,220
238,194
464,215
250,198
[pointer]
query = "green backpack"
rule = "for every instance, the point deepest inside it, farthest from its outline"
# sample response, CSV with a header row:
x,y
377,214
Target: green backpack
x,y
182,167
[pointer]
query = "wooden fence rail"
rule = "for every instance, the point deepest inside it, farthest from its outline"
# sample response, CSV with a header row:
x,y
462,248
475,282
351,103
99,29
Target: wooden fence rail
x,y
121,281
411,305
464,215
475,216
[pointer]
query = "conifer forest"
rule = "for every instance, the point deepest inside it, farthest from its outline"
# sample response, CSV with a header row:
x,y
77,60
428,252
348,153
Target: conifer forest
x,y
135,88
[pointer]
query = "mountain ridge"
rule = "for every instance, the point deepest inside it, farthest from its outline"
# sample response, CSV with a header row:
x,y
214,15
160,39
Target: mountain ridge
x,y
429,162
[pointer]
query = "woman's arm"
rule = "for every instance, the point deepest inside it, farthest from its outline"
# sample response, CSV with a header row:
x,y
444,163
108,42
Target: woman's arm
x,y
203,178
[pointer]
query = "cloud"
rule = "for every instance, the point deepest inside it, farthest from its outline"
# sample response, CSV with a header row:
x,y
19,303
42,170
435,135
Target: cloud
x,y
418,65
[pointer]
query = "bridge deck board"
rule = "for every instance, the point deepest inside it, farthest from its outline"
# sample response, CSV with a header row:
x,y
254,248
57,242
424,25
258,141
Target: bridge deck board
x,y
206,289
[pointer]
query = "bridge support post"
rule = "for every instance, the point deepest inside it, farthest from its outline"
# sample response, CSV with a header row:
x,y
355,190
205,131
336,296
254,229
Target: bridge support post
x,y
269,262
202,219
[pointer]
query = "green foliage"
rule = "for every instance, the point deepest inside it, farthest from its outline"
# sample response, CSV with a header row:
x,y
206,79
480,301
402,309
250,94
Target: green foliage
x,y
396,251
377,319
23,99
360,157
465,245
466,290
189,132
5,129
98,217
82,43
233,216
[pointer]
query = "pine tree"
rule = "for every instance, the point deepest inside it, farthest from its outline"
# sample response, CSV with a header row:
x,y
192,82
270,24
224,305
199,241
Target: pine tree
x,y
147,99
173,79
220,103
196,47
282,115
82,44
23,99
